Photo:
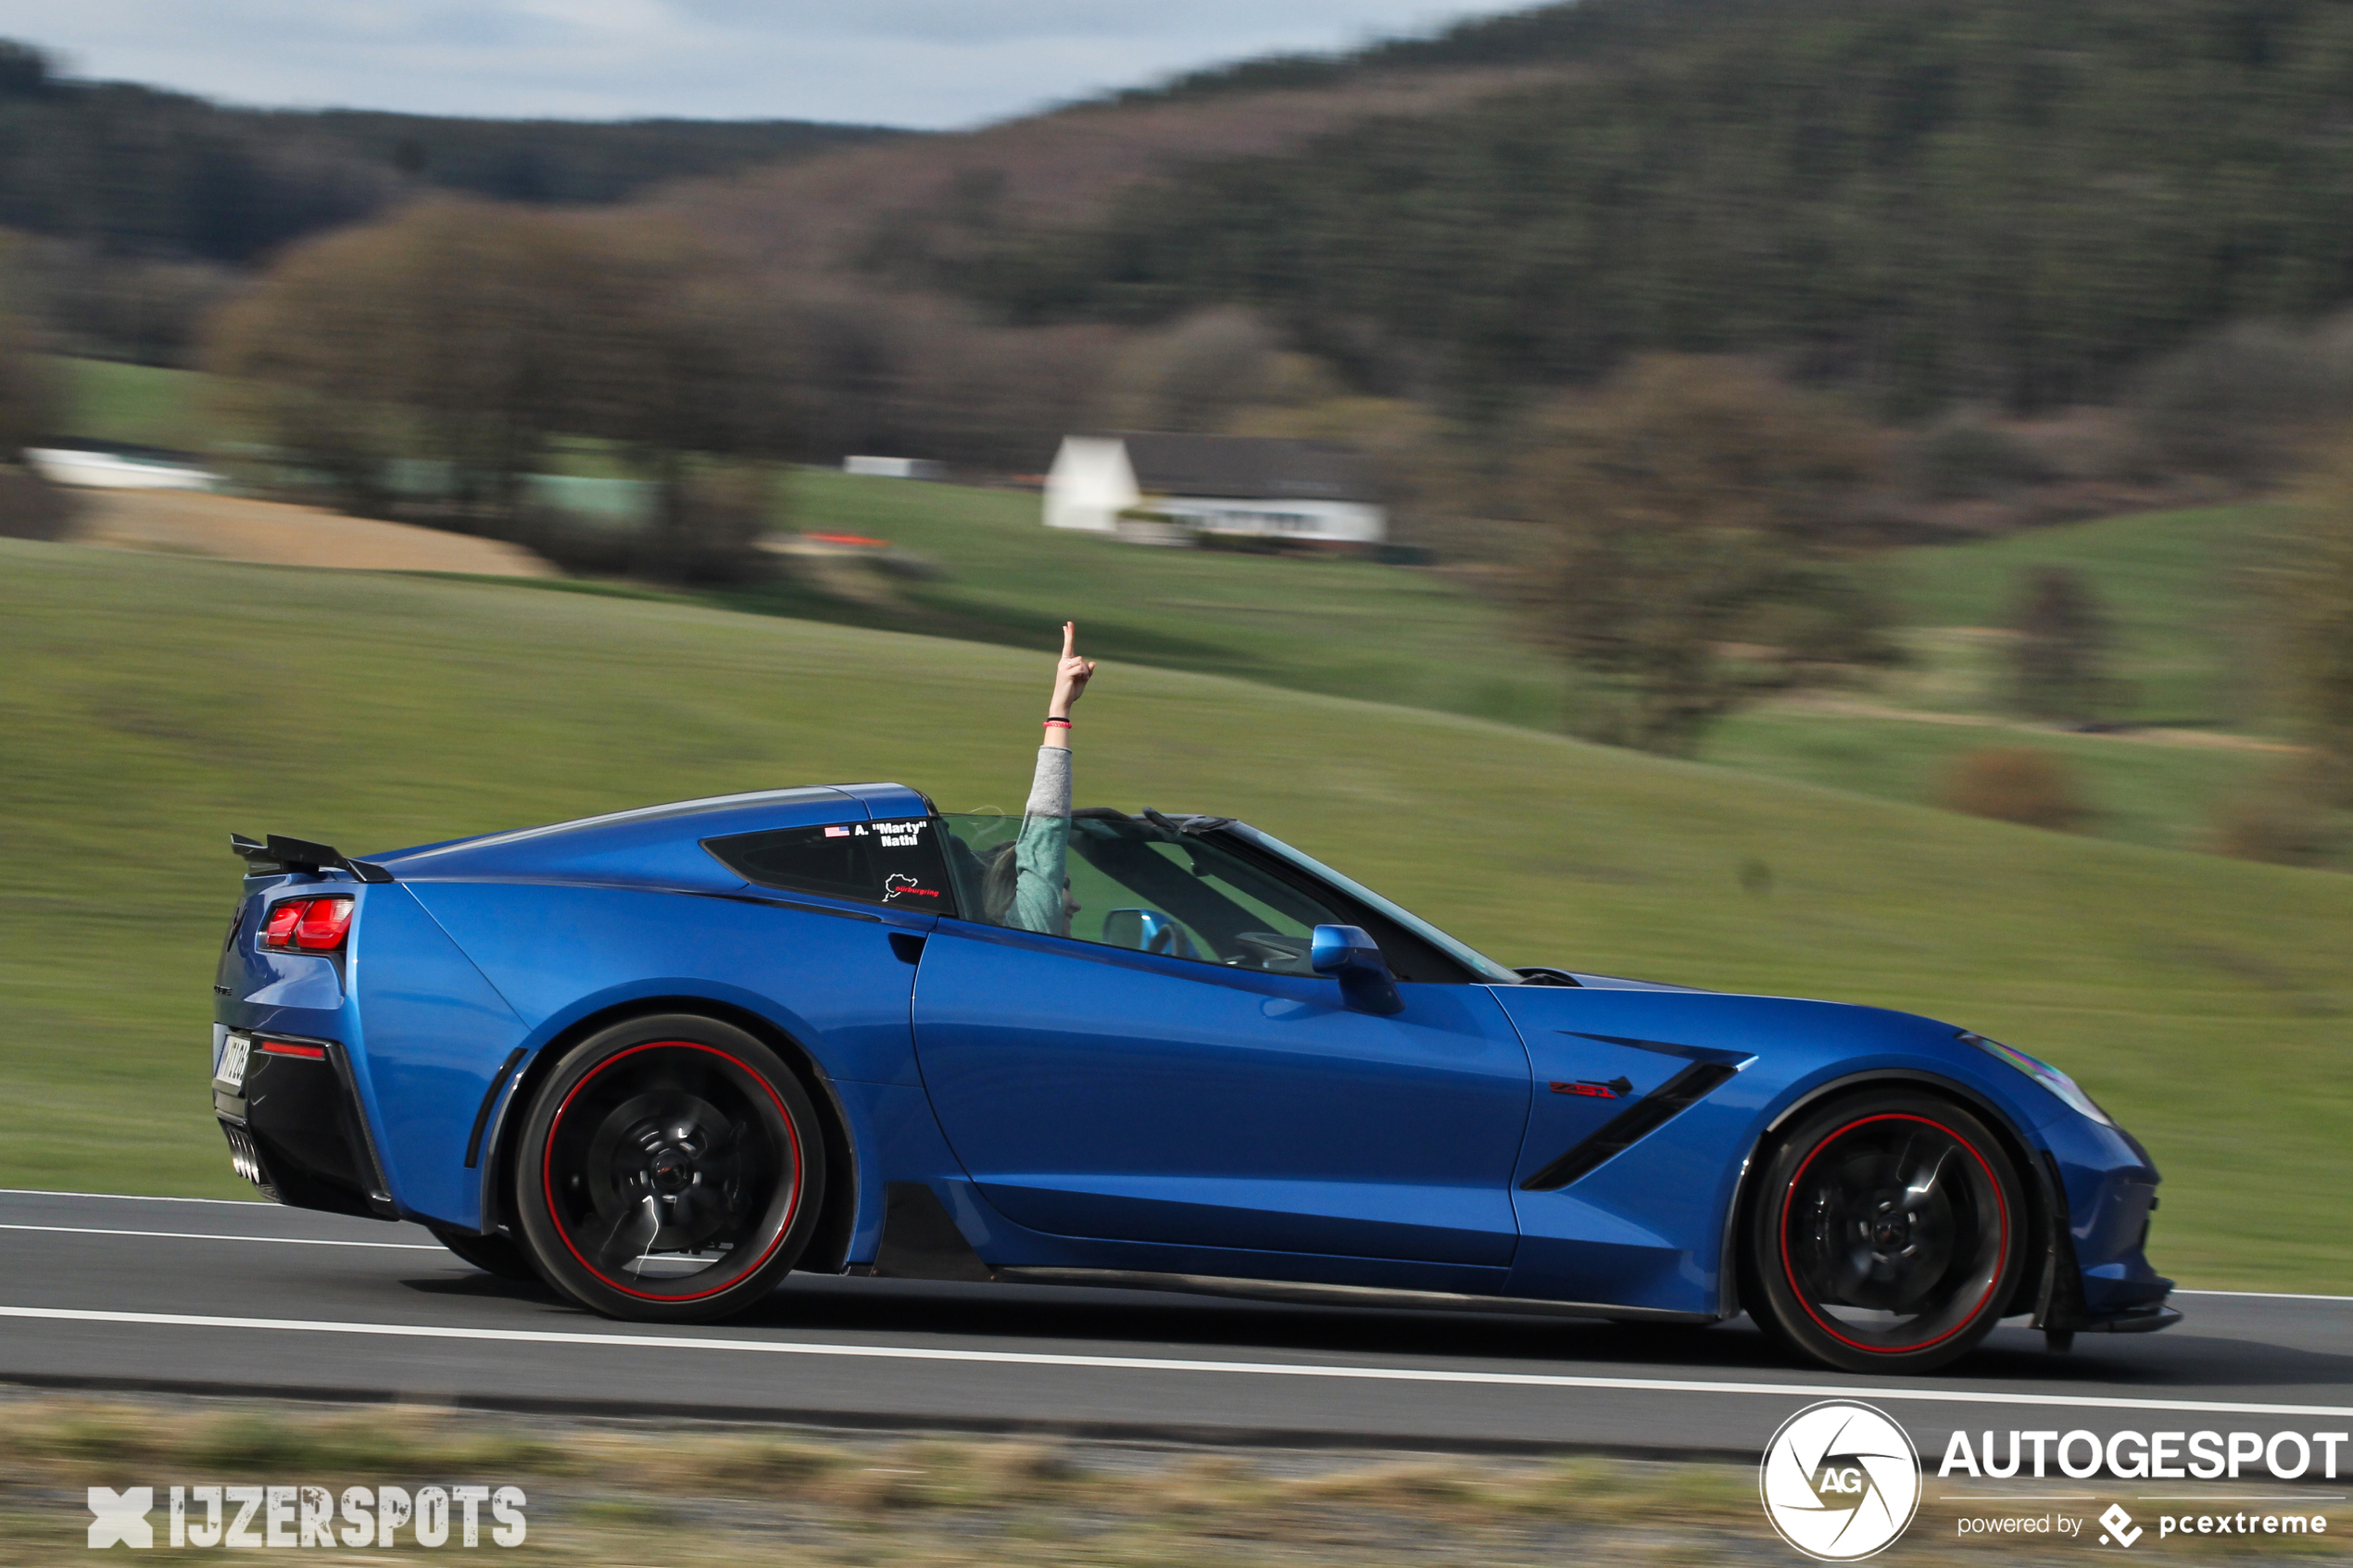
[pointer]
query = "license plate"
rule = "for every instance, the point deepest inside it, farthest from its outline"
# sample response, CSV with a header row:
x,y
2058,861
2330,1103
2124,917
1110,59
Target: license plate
x,y
232,1061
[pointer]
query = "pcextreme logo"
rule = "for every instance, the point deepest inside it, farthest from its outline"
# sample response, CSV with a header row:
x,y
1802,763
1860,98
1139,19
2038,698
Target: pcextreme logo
x,y
1840,1481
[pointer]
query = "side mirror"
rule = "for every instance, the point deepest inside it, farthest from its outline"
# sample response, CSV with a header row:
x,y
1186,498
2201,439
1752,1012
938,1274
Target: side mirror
x,y
1146,930
1348,955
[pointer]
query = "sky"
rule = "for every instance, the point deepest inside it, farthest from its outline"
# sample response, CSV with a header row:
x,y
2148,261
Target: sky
x,y
922,63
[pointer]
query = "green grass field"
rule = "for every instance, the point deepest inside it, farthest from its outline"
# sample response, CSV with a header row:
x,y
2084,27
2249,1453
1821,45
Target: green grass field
x,y
137,405
2137,790
155,703
1343,628
2163,579
1353,629
2165,582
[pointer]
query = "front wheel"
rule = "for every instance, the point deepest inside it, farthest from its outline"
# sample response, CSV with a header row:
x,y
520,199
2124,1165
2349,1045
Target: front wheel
x,y
669,1171
1888,1236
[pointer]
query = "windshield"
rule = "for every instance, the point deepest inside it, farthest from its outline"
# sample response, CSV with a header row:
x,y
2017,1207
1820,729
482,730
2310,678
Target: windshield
x,y
1486,969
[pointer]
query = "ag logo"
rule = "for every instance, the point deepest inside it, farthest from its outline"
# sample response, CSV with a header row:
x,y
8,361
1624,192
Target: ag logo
x,y
1840,1481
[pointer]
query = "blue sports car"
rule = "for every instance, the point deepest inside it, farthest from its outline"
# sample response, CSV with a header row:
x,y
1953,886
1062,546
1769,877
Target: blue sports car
x,y
661,1058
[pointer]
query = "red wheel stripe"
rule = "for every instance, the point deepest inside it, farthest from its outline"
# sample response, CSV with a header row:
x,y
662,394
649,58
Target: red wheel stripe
x,y
547,1178
2001,1215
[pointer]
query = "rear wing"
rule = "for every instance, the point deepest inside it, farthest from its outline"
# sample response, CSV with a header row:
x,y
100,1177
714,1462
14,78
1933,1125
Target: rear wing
x,y
283,854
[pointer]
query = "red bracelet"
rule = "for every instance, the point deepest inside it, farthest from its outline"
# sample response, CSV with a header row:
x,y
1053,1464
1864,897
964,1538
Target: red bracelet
x,y
1063,723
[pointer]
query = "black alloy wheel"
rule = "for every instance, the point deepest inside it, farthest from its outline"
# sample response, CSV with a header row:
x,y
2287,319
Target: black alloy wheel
x,y
1888,1234
492,1254
671,1171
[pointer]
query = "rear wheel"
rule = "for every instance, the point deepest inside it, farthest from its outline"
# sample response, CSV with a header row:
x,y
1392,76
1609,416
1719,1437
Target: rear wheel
x,y
492,1254
1888,1236
669,1171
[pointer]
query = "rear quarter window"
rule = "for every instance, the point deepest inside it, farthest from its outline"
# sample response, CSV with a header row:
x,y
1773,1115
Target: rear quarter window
x,y
896,863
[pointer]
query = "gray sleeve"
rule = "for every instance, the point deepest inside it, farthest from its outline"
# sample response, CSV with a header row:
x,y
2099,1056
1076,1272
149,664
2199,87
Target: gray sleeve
x,y
1040,855
1049,790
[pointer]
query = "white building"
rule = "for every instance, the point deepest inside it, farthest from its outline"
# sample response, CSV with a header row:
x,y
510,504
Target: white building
x,y
108,470
1314,491
894,468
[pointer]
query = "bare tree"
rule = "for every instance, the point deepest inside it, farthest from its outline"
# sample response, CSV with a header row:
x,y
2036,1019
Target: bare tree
x,y
1196,374
2060,659
29,391
29,506
466,338
1699,515
442,335
2306,587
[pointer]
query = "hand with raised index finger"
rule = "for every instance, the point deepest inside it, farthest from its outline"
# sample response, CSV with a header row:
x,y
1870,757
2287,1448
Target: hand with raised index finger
x,y
1071,674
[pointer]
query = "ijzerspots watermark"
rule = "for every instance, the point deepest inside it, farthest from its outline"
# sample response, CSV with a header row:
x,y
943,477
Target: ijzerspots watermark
x,y
297,1516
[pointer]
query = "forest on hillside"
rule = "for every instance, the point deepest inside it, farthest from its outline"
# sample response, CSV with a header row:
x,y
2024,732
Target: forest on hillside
x,y
128,210
2015,200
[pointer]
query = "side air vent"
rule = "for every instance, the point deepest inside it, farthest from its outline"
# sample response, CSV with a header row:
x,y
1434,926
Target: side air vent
x,y
1631,1125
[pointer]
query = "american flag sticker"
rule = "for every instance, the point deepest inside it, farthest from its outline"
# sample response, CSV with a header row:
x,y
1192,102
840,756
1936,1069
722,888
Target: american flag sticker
x,y
836,833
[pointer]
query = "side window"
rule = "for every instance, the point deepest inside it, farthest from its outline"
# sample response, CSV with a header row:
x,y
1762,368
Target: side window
x,y
898,864
1134,884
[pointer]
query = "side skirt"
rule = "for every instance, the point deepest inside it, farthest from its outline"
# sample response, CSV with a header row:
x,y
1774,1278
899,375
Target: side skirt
x,y
920,1241
1299,1294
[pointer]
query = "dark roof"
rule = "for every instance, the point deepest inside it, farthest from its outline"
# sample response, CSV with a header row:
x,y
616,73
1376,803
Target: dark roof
x,y
1246,467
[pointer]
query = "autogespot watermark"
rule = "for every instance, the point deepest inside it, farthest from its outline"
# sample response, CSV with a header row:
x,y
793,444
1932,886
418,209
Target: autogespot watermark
x,y
1840,1481
2149,1458
296,1516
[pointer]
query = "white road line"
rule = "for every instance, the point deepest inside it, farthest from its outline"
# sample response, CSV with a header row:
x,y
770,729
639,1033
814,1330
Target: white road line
x,y
135,1198
196,1235
263,1203
1147,1363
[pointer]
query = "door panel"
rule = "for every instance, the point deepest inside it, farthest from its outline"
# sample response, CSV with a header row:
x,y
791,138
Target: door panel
x,y
1096,1092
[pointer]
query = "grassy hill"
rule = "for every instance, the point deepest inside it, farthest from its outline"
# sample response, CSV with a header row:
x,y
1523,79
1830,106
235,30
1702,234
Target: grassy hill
x,y
2164,582
154,703
132,405
1423,640
1353,629
1345,628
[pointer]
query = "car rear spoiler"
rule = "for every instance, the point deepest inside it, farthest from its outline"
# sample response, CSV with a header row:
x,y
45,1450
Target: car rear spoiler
x,y
283,854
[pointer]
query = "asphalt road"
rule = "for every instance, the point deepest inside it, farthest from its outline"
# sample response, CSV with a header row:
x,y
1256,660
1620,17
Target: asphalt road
x,y
156,1293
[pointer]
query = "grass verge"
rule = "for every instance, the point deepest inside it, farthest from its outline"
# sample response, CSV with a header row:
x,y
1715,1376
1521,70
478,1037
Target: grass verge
x,y
684,1496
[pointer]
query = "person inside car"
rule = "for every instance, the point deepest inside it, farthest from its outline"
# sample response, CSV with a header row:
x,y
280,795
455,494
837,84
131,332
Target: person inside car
x,y
1027,884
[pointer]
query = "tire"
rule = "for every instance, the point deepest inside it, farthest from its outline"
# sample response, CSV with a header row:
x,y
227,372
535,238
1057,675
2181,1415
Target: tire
x,y
671,1171
492,1254
1888,1236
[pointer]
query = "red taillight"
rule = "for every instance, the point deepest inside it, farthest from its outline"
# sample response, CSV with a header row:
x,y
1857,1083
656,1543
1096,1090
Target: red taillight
x,y
324,924
308,925
287,1048
280,931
